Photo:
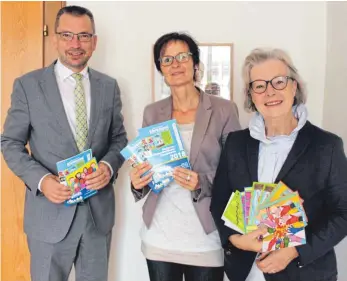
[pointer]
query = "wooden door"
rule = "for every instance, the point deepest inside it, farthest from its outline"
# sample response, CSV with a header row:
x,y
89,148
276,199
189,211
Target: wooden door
x,y
22,50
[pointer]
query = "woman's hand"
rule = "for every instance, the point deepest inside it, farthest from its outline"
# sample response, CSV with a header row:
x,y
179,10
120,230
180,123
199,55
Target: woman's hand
x,y
249,242
186,178
136,173
275,261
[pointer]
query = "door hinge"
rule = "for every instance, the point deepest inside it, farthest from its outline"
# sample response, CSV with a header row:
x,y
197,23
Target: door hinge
x,y
45,30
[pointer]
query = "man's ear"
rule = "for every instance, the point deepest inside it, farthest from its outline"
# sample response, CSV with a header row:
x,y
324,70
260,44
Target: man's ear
x,y
95,38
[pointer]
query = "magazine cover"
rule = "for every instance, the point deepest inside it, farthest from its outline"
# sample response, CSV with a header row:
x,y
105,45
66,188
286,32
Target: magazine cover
x,y
66,166
76,181
133,152
162,147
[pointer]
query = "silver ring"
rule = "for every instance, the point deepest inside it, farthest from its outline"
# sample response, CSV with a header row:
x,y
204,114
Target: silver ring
x,y
188,178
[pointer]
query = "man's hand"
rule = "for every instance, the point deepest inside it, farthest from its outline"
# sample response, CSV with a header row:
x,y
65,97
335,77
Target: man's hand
x,y
53,190
276,261
100,178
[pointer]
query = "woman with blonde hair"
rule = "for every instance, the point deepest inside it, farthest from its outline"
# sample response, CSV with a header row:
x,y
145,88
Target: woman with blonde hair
x,y
282,145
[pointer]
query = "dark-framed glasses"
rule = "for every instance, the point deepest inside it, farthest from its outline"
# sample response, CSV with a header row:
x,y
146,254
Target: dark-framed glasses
x,y
181,57
68,36
278,83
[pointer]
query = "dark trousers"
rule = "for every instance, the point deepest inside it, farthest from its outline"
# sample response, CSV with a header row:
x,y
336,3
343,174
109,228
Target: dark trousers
x,y
278,277
167,271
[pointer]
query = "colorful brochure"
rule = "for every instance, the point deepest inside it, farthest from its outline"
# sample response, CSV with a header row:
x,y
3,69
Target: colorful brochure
x,y
72,172
233,213
274,206
160,145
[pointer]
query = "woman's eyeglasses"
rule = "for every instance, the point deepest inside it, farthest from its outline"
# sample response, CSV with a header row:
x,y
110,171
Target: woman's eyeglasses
x,y
181,57
278,83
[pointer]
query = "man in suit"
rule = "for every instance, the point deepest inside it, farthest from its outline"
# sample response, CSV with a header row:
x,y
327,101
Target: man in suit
x,y
62,110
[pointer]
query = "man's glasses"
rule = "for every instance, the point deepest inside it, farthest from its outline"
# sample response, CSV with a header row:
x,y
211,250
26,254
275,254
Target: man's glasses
x,y
278,83
181,57
82,37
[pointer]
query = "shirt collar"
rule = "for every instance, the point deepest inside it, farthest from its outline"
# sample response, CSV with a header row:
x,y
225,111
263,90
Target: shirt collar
x,y
257,125
65,72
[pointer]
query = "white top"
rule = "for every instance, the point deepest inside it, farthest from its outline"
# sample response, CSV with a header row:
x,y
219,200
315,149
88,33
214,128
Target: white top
x,y
175,225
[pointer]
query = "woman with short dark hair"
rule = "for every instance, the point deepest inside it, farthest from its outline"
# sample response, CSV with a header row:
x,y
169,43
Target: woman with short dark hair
x,y
179,237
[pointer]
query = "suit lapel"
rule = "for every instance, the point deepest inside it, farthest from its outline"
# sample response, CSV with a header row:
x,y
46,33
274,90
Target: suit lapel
x,y
50,90
299,147
253,158
165,113
202,119
96,103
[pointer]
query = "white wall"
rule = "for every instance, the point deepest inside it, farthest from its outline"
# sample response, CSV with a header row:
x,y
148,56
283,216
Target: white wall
x,y
127,31
335,113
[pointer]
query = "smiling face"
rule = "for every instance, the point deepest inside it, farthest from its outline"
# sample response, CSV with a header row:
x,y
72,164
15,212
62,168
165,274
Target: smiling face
x,y
74,54
178,73
273,103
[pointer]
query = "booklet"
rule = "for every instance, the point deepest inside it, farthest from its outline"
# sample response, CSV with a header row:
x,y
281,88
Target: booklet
x,y
161,145
233,214
274,206
72,171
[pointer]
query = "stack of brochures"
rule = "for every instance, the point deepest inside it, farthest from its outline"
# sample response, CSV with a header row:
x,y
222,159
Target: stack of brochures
x,y
73,171
274,206
160,145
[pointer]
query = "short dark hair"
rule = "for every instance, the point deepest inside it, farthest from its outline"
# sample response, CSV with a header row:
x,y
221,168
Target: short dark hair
x,y
74,11
161,43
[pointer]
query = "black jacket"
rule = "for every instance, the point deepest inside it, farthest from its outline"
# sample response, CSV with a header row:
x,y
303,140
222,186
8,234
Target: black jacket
x,y
316,167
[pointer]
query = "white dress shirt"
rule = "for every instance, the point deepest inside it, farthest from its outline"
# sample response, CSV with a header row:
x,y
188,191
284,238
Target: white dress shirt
x,y
66,85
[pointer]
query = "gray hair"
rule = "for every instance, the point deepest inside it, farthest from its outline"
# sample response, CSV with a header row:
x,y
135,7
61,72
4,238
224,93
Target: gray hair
x,y
258,56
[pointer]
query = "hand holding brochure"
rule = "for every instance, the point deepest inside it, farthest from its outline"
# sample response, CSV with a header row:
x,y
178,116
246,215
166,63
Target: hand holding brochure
x,y
275,206
162,147
72,173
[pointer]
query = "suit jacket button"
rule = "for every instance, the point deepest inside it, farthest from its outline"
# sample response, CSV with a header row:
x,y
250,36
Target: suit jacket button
x,y
228,252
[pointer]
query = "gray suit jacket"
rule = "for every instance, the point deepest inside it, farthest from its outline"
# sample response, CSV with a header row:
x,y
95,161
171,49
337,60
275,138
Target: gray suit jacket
x,y
215,118
37,116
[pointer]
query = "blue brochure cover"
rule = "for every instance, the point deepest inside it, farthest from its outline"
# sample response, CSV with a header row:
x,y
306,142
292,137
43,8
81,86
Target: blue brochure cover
x,y
161,145
70,165
76,181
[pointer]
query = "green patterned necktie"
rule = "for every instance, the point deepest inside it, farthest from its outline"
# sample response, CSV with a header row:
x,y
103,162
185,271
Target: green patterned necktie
x,y
81,113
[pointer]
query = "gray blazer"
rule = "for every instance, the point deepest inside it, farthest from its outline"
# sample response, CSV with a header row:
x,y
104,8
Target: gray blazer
x,y
215,118
37,116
